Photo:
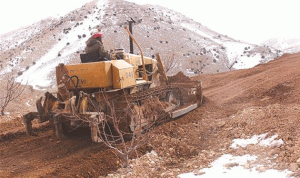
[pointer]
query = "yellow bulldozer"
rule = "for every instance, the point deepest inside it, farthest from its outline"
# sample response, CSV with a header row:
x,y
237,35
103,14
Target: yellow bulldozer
x,y
115,92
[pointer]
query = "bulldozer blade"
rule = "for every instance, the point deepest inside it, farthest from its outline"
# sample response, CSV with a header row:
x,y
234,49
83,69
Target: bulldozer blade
x,y
161,68
170,108
183,111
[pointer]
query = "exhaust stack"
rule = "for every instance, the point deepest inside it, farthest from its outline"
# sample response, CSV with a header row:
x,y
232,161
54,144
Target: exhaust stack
x,y
130,40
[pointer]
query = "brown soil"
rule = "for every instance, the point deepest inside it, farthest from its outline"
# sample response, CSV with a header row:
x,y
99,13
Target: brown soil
x,y
179,77
237,104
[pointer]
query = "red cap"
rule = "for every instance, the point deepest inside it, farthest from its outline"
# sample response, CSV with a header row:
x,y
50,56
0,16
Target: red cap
x,y
97,35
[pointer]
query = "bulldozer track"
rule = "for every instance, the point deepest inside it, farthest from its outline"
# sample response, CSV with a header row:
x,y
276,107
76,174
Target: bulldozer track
x,y
127,101
151,92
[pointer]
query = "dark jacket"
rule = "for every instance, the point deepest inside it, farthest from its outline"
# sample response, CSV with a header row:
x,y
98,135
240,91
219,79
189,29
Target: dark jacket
x,y
94,45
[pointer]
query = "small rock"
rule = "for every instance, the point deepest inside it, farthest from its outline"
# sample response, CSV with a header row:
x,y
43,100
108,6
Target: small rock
x,y
212,153
282,154
293,167
261,169
247,166
198,173
272,152
276,143
298,162
230,165
221,124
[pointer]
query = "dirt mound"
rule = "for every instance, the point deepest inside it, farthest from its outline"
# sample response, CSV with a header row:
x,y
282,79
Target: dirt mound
x,y
237,104
277,93
178,78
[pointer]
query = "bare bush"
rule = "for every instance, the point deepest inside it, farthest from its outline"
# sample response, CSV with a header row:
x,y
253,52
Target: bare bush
x,y
230,65
10,90
170,62
122,127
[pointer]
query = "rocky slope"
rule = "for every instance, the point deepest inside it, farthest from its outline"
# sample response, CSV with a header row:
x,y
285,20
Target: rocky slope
x,y
35,50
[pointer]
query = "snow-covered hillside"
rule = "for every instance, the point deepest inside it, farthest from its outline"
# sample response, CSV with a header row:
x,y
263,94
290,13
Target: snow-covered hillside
x,y
61,52
34,51
240,55
284,45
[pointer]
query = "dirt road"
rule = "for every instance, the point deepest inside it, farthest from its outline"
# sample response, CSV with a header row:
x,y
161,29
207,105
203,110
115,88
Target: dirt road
x,y
238,104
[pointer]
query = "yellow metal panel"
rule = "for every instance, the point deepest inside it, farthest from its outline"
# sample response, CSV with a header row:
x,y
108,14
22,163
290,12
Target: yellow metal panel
x,y
91,75
121,64
132,59
149,60
123,74
136,60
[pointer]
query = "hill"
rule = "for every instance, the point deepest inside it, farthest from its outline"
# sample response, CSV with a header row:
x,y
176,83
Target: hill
x,y
284,45
34,51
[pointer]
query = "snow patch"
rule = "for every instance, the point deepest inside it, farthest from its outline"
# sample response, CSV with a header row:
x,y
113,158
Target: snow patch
x,y
201,33
246,62
6,113
283,44
28,102
257,139
234,166
234,50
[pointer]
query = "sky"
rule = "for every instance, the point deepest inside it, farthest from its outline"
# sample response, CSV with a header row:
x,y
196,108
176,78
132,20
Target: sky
x,y
17,13
252,21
